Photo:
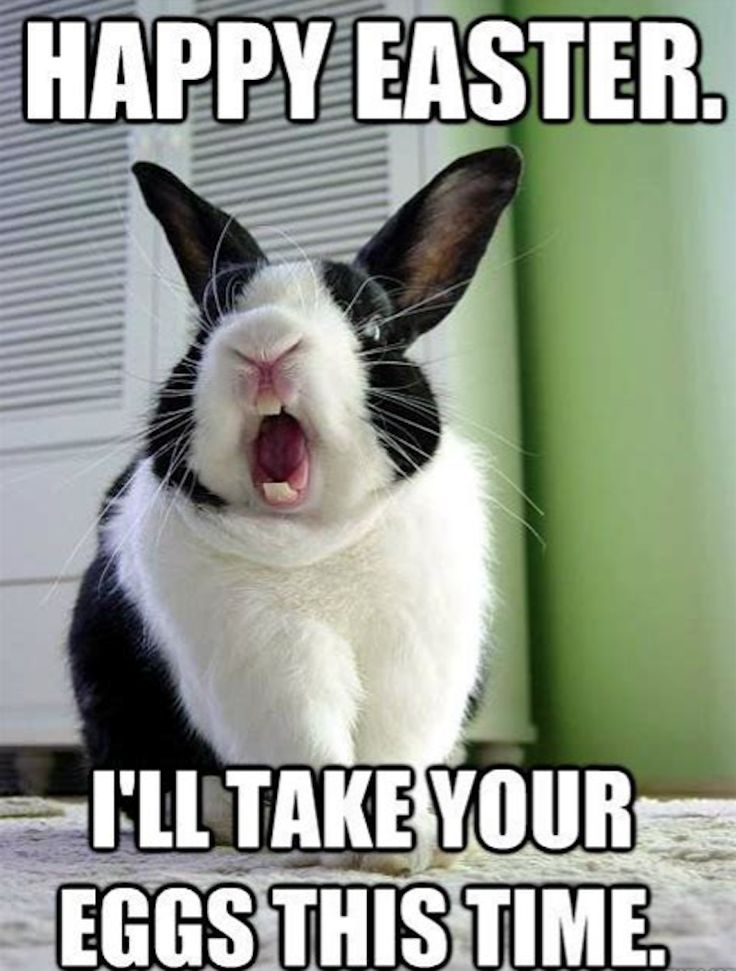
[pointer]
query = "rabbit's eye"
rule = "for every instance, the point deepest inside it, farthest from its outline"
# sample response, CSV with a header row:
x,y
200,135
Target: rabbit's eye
x,y
372,330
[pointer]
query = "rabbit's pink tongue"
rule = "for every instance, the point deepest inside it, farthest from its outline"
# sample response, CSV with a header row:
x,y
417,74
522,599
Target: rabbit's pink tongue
x,y
282,459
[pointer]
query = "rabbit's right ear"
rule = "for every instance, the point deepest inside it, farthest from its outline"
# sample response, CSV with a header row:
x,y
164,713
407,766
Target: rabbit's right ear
x,y
205,240
426,254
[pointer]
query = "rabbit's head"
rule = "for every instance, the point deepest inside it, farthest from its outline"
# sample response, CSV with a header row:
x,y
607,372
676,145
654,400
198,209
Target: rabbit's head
x,y
296,395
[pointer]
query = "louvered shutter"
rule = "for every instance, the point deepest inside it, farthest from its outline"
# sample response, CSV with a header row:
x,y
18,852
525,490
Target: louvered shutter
x,y
63,257
322,187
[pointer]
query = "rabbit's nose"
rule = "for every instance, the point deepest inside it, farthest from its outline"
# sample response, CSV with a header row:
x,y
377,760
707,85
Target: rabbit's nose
x,y
269,384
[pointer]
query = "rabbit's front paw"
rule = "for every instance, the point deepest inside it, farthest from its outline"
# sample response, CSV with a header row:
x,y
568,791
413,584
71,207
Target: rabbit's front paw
x,y
426,853
217,810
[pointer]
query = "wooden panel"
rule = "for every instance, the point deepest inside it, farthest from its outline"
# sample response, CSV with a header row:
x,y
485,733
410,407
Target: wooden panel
x,y
63,246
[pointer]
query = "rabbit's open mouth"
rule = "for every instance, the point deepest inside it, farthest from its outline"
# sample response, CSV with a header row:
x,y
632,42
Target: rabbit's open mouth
x,y
280,463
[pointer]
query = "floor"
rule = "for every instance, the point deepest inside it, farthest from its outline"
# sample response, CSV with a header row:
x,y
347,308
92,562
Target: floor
x,y
686,853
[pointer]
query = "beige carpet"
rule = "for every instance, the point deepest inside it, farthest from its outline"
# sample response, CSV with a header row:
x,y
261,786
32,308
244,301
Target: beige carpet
x,y
686,853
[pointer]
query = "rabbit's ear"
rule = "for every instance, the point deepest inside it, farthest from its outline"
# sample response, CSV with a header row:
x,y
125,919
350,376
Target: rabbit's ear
x,y
427,252
205,240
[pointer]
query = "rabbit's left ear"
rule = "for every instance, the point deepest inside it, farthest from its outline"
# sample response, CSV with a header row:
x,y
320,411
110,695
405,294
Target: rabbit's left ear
x,y
426,254
205,240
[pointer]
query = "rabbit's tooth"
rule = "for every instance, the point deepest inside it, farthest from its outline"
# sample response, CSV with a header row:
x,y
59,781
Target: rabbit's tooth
x,y
268,403
279,492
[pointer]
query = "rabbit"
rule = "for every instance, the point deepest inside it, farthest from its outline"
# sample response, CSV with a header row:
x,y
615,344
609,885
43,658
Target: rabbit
x,y
294,569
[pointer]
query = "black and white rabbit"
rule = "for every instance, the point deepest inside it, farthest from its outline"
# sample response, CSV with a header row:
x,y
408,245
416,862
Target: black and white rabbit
x,y
294,569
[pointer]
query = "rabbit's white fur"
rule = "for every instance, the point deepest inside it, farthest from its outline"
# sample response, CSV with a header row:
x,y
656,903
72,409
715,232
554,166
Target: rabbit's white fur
x,y
347,632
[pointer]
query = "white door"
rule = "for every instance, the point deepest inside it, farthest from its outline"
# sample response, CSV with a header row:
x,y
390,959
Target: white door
x,y
94,310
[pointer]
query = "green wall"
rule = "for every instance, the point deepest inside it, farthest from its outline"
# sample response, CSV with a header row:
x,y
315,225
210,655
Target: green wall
x,y
627,323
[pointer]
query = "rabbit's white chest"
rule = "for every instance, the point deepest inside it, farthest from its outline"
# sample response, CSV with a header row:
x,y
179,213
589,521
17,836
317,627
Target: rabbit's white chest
x,y
367,655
